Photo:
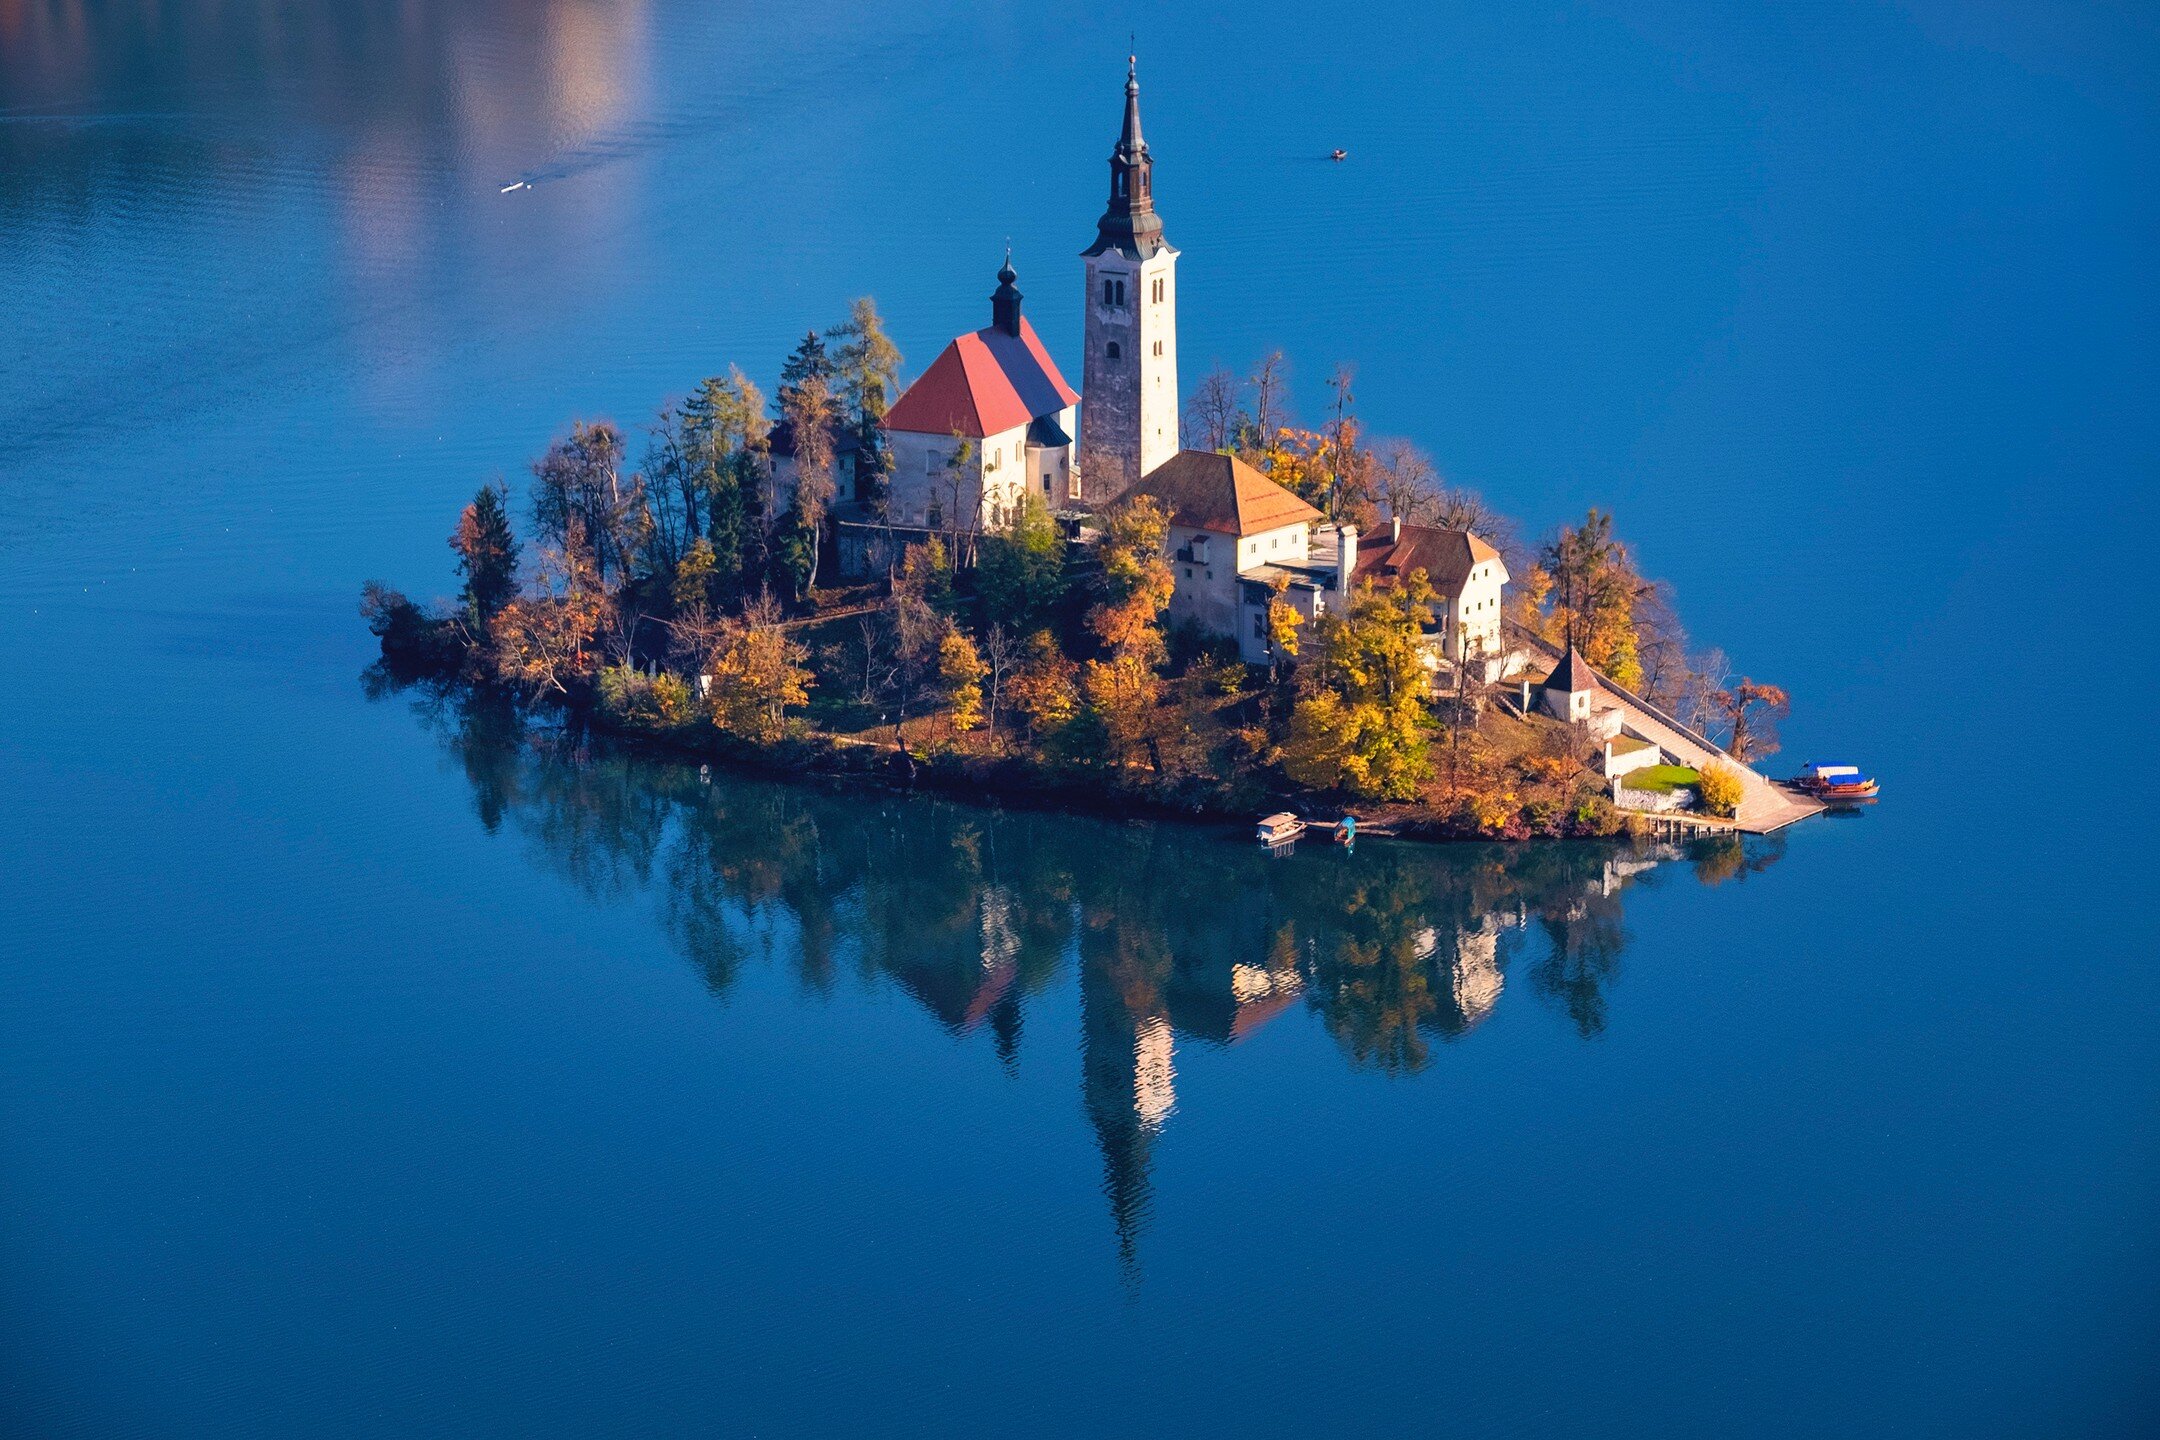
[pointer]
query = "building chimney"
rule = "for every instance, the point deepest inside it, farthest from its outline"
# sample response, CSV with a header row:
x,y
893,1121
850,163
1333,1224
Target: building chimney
x,y
1345,557
1395,528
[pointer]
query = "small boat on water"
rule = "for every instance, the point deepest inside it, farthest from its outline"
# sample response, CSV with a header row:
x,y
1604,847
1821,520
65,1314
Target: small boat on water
x,y
1279,830
1339,156
1836,782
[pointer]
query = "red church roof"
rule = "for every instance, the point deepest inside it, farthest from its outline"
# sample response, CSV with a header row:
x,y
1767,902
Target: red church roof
x,y
983,384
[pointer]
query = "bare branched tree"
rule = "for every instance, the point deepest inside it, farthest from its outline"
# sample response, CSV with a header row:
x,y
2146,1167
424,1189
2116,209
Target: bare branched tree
x,y
1212,413
1001,651
1270,386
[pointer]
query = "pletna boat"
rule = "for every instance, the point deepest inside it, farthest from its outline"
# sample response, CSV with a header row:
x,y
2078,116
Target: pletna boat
x,y
1279,829
1836,782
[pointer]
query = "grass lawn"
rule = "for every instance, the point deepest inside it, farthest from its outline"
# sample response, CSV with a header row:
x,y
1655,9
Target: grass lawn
x,y
1660,779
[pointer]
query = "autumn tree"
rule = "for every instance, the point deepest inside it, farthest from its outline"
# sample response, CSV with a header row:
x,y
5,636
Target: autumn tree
x,y
688,478
544,638
1283,621
1362,725
918,620
867,364
757,676
1122,689
811,413
1593,592
487,556
1045,687
961,671
1342,464
1721,788
579,479
1751,711
697,629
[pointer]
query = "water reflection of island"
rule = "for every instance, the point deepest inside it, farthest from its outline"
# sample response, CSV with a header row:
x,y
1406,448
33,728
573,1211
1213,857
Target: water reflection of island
x,y
1177,935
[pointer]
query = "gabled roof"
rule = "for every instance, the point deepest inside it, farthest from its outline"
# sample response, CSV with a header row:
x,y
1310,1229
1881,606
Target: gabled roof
x,y
1446,556
1573,673
1204,490
982,384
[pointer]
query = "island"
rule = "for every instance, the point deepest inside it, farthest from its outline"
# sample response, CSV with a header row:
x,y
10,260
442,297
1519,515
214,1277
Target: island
x,y
991,583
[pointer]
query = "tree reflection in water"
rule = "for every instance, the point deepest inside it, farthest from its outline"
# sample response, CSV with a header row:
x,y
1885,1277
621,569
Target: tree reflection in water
x,y
1179,935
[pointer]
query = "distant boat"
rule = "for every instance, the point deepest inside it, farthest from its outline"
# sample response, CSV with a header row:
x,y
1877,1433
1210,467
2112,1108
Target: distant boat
x,y
1836,782
1339,155
520,185
1280,830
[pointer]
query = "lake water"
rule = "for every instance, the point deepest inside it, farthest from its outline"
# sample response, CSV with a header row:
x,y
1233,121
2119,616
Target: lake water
x,y
367,1072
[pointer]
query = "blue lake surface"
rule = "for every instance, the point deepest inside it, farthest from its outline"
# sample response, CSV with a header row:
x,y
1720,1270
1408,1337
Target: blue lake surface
x,y
364,1072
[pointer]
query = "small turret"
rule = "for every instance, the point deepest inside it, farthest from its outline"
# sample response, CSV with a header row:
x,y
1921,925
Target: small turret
x,y
1005,303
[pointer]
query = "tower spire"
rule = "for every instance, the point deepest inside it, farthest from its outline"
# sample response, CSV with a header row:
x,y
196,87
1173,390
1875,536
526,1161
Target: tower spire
x,y
1129,223
1130,145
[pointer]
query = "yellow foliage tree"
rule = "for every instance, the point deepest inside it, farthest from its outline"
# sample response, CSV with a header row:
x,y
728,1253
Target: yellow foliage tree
x,y
757,677
961,668
1590,584
1044,689
1363,725
542,638
1123,690
1721,788
1283,621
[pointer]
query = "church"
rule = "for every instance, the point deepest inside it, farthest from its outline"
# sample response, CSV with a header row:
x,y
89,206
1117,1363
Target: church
x,y
993,417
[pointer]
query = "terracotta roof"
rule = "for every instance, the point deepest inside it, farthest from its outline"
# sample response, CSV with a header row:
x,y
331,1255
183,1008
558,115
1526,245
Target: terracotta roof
x,y
1208,491
1446,556
982,384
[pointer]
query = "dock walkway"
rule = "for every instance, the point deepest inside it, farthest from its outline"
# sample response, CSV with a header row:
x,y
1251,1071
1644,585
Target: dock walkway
x,y
1764,805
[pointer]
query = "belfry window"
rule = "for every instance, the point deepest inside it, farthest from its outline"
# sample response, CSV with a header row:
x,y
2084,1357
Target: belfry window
x,y
1113,293
1158,292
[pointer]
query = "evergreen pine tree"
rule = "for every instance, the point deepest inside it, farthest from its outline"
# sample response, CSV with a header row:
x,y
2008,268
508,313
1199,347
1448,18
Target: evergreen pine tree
x,y
809,359
487,555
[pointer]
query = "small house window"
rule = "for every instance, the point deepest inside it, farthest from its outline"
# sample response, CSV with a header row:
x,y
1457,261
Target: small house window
x,y
1112,351
937,516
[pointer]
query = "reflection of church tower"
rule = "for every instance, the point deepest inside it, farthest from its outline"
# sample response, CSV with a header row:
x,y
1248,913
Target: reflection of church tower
x,y
1129,1085
1128,387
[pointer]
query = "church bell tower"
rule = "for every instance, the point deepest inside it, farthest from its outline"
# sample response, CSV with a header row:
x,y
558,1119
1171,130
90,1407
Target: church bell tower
x,y
1129,390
